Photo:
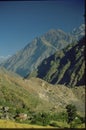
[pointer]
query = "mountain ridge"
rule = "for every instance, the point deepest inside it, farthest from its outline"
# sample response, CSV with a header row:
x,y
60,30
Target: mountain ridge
x,y
27,59
64,67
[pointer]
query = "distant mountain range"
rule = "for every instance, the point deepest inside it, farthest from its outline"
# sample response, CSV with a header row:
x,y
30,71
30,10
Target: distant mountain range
x,y
28,59
66,66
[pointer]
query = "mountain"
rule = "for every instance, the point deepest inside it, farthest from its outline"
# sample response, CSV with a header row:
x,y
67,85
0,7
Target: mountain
x,y
27,59
22,95
64,67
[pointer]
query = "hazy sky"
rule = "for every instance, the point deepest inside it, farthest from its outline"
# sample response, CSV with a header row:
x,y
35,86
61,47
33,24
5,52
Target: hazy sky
x,y
21,21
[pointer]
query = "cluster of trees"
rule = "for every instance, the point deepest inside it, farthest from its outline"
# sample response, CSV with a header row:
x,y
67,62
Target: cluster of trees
x,y
70,116
43,118
71,112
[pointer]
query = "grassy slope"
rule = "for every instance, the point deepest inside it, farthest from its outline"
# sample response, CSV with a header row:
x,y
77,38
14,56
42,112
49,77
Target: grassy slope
x,y
11,124
35,93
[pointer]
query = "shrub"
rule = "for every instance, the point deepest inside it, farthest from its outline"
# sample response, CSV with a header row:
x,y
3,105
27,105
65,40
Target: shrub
x,y
62,116
53,124
75,123
41,119
71,111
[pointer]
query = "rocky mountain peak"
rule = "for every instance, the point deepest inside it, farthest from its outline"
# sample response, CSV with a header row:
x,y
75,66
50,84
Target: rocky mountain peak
x,y
79,32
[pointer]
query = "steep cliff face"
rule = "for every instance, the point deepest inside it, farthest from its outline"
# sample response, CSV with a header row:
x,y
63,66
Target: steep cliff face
x,y
65,67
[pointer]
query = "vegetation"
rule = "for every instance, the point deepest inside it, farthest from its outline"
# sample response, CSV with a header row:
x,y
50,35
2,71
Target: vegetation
x,y
12,124
71,111
35,103
23,101
41,119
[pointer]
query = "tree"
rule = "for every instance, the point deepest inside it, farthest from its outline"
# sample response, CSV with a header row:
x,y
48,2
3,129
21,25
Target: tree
x,y
41,119
71,111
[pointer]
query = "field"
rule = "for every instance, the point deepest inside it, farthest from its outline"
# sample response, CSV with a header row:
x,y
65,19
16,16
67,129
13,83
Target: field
x,y
11,124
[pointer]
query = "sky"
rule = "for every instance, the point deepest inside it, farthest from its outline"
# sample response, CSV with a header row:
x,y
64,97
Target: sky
x,y
22,21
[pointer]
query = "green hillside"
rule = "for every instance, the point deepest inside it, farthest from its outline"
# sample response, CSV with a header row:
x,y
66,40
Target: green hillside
x,y
23,101
12,124
16,92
